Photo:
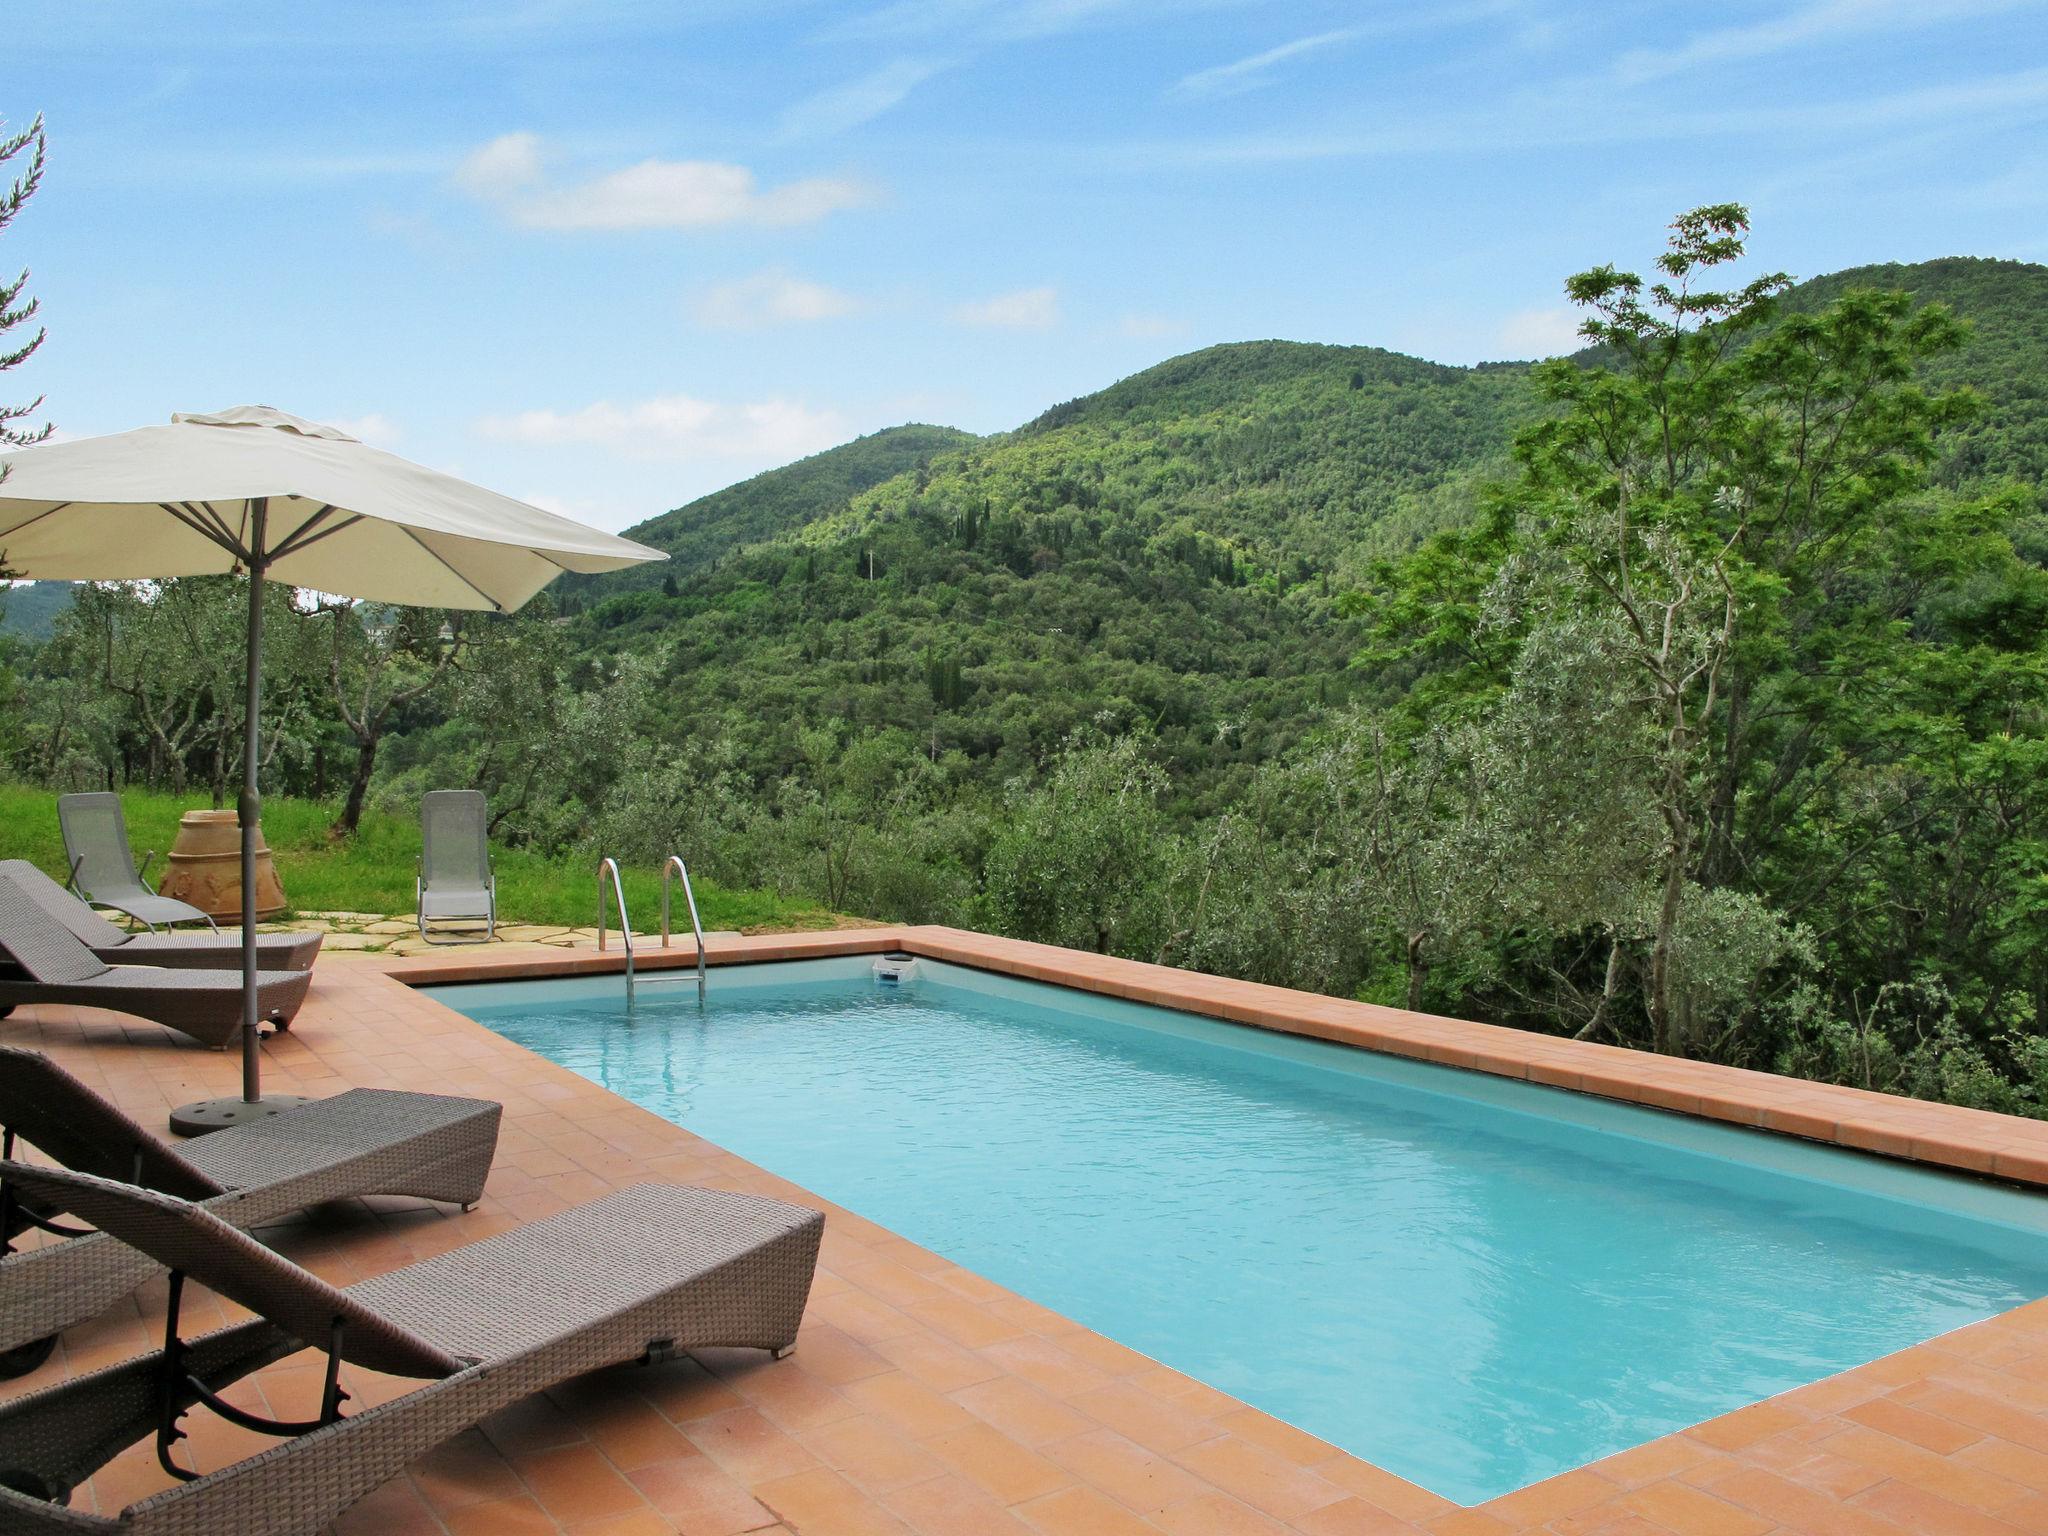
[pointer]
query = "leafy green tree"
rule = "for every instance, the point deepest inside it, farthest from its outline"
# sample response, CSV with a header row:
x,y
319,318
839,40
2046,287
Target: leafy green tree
x,y
1079,857
1738,497
375,669
169,651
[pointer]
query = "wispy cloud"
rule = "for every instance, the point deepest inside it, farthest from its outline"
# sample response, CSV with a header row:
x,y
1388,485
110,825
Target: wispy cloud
x,y
1027,309
679,427
510,173
997,20
857,101
948,34
1256,71
770,298
1555,118
1259,70
1824,21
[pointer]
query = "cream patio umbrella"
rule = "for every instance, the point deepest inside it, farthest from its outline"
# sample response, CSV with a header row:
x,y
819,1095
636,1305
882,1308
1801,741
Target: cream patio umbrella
x,y
257,491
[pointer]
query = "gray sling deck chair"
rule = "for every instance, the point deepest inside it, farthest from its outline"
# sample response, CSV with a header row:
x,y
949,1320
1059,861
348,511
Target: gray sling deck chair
x,y
368,1141
117,946
47,965
102,865
455,877
642,1274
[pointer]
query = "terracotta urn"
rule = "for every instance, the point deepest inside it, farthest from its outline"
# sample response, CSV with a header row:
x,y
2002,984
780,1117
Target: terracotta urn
x,y
205,868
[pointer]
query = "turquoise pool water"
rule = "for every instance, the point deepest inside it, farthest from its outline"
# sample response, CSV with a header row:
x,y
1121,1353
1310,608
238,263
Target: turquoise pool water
x,y
1473,1282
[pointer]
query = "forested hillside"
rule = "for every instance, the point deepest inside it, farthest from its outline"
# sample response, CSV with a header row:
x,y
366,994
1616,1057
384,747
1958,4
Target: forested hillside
x,y
781,501
1690,693
1163,555
29,609
2004,357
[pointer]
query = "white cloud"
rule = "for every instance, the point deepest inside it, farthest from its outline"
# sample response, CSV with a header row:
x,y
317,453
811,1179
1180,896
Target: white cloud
x,y
857,101
510,173
1028,309
509,163
1256,71
1822,21
373,427
680,427
1540,333
773,297
1143,327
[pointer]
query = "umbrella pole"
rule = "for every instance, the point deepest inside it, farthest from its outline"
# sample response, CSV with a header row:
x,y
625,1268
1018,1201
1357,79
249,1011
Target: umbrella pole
x,y
213,1114
249,812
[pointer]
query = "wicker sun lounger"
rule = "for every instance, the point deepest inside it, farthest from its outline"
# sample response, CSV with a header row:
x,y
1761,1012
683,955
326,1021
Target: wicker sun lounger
x,y
178,947
102,864
51,966
368,1141
639,1275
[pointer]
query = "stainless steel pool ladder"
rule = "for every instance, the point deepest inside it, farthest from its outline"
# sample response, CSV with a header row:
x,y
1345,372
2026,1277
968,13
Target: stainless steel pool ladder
x,y
609,865
676,866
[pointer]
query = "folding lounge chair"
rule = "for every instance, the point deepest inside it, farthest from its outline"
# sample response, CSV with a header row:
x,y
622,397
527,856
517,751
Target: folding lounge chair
x,y
639,1275
455,877
102,864
367,1141
50,966
117,946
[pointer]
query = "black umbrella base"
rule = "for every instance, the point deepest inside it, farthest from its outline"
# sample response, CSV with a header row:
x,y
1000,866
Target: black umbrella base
x,y
196,1119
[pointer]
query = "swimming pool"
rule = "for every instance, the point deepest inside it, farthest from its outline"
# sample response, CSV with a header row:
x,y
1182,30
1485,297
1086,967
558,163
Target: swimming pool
x,y
1471,1281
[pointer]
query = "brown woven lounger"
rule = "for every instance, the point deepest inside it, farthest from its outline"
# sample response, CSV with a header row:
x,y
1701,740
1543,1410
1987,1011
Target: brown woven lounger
x,y
640,1275
185,947
51,966
368,1141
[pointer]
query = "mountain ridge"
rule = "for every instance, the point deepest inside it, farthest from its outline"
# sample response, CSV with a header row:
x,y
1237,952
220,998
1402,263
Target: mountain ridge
x,y
1162,554
2005,301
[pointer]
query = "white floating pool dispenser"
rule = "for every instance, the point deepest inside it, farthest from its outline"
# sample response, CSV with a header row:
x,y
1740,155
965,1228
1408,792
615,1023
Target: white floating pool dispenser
x,y
895,968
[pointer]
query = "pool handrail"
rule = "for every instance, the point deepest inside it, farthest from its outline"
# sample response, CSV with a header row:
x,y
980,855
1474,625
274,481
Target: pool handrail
x,y
625,923
675,866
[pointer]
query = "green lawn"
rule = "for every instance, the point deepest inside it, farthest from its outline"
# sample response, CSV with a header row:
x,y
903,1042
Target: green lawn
x,y
373,871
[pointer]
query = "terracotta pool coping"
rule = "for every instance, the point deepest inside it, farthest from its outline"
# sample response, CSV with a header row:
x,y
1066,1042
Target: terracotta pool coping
x,y
924,1400
1944,1135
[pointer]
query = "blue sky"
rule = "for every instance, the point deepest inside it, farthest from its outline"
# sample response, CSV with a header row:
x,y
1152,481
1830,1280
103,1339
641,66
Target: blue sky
x,y
609,256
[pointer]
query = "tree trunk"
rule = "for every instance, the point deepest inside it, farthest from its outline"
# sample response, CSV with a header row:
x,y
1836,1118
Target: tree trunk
x,y
358,787
1418,967
220,771
1677,846
1718,865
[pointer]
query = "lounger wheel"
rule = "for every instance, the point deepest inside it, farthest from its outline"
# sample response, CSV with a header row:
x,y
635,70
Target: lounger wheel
x,y
22,1359
6,1009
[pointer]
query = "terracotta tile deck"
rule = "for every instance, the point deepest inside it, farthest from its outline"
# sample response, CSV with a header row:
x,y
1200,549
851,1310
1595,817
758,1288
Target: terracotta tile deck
x,y
924,1399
